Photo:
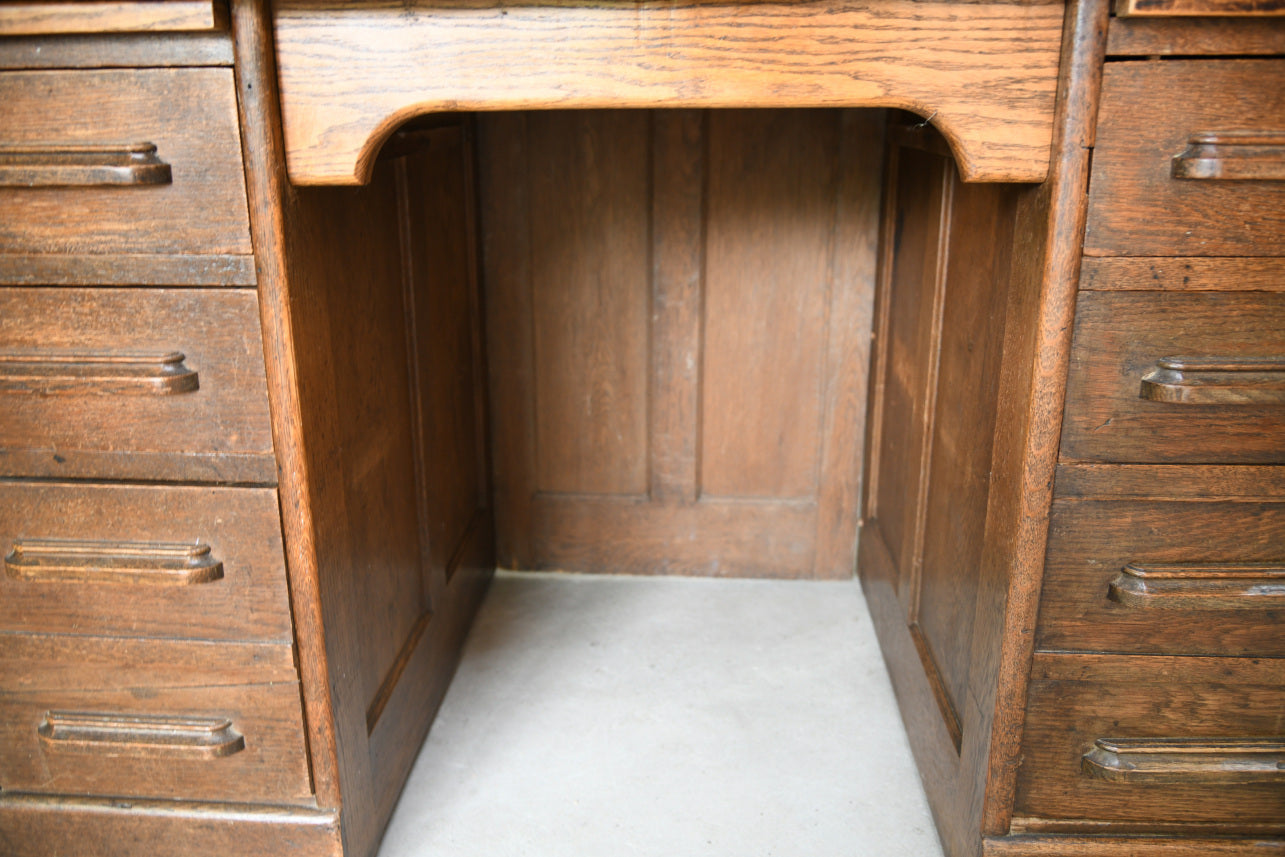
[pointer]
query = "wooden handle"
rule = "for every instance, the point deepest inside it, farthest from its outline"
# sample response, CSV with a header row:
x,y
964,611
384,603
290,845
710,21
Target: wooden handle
x,y
1232,156
87,373
1216,381
149,563
1200,586
1187,761
1202,8
82,166
140,734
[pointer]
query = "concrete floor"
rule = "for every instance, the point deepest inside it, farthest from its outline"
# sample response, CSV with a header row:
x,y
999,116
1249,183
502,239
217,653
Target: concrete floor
x,y
598,715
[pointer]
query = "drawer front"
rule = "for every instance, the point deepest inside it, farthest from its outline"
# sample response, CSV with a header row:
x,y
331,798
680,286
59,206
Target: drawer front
x,y
1165,577
77,176
1224,403
131,384
1233,201
1149,742
105,726
151,561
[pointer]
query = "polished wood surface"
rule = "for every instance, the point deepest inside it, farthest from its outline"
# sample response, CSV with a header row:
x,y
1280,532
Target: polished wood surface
x,y
984,73
677,302
1199,8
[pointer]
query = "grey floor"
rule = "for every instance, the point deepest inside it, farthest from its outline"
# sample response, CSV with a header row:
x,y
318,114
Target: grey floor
x,y
666,716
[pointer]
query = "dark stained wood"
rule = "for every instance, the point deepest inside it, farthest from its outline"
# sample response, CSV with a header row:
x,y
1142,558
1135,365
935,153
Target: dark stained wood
x,y
1150,37
346,84
1091,543
40,17
202,211
38,825
1191,273
241,527
217,432
271,768
1149,112
1121,338
116,51
683,333
1078,699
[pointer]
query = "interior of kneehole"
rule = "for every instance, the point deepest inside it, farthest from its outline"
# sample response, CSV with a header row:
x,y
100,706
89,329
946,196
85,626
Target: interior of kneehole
x,y
670,322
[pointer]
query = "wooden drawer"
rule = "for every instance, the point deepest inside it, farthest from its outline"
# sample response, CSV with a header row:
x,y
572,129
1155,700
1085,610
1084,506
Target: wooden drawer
x,y
141,718
1149,113
133,384
83,199
1226,402
150,561
1169,741
1165,577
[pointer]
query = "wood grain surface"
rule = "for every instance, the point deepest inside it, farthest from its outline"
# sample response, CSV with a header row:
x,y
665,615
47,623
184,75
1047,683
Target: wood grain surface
x,y
1091,542
1150,110
1120,336
1154,37
352,72
217,432
1076,699
678,308
203,211
241,526
26,18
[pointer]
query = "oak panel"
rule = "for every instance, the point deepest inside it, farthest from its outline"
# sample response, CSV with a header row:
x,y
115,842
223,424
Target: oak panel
x,y
351,73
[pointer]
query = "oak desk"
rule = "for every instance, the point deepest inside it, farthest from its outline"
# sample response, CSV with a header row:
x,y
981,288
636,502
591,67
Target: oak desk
x,y
252,485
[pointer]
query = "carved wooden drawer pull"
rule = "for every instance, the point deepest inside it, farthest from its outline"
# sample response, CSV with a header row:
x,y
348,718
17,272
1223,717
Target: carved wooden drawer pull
x,y
1193,761
1216,381
151,563
1200,586
82,166
1232,156
81,372
141,734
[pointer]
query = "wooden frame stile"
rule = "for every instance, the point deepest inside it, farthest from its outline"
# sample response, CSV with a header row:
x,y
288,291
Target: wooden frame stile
x,y
1037,350
268,192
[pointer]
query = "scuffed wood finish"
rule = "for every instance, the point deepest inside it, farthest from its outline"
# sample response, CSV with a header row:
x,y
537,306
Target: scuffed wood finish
x,y
1150,110
351,73
1092,544
246,601
121,50
1187,37
1199,8
1161,482
218,431
1123,405
109,16
1195,845
38,825
202,211
1076,700
677,308
1232,156
1190,273
1186,761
